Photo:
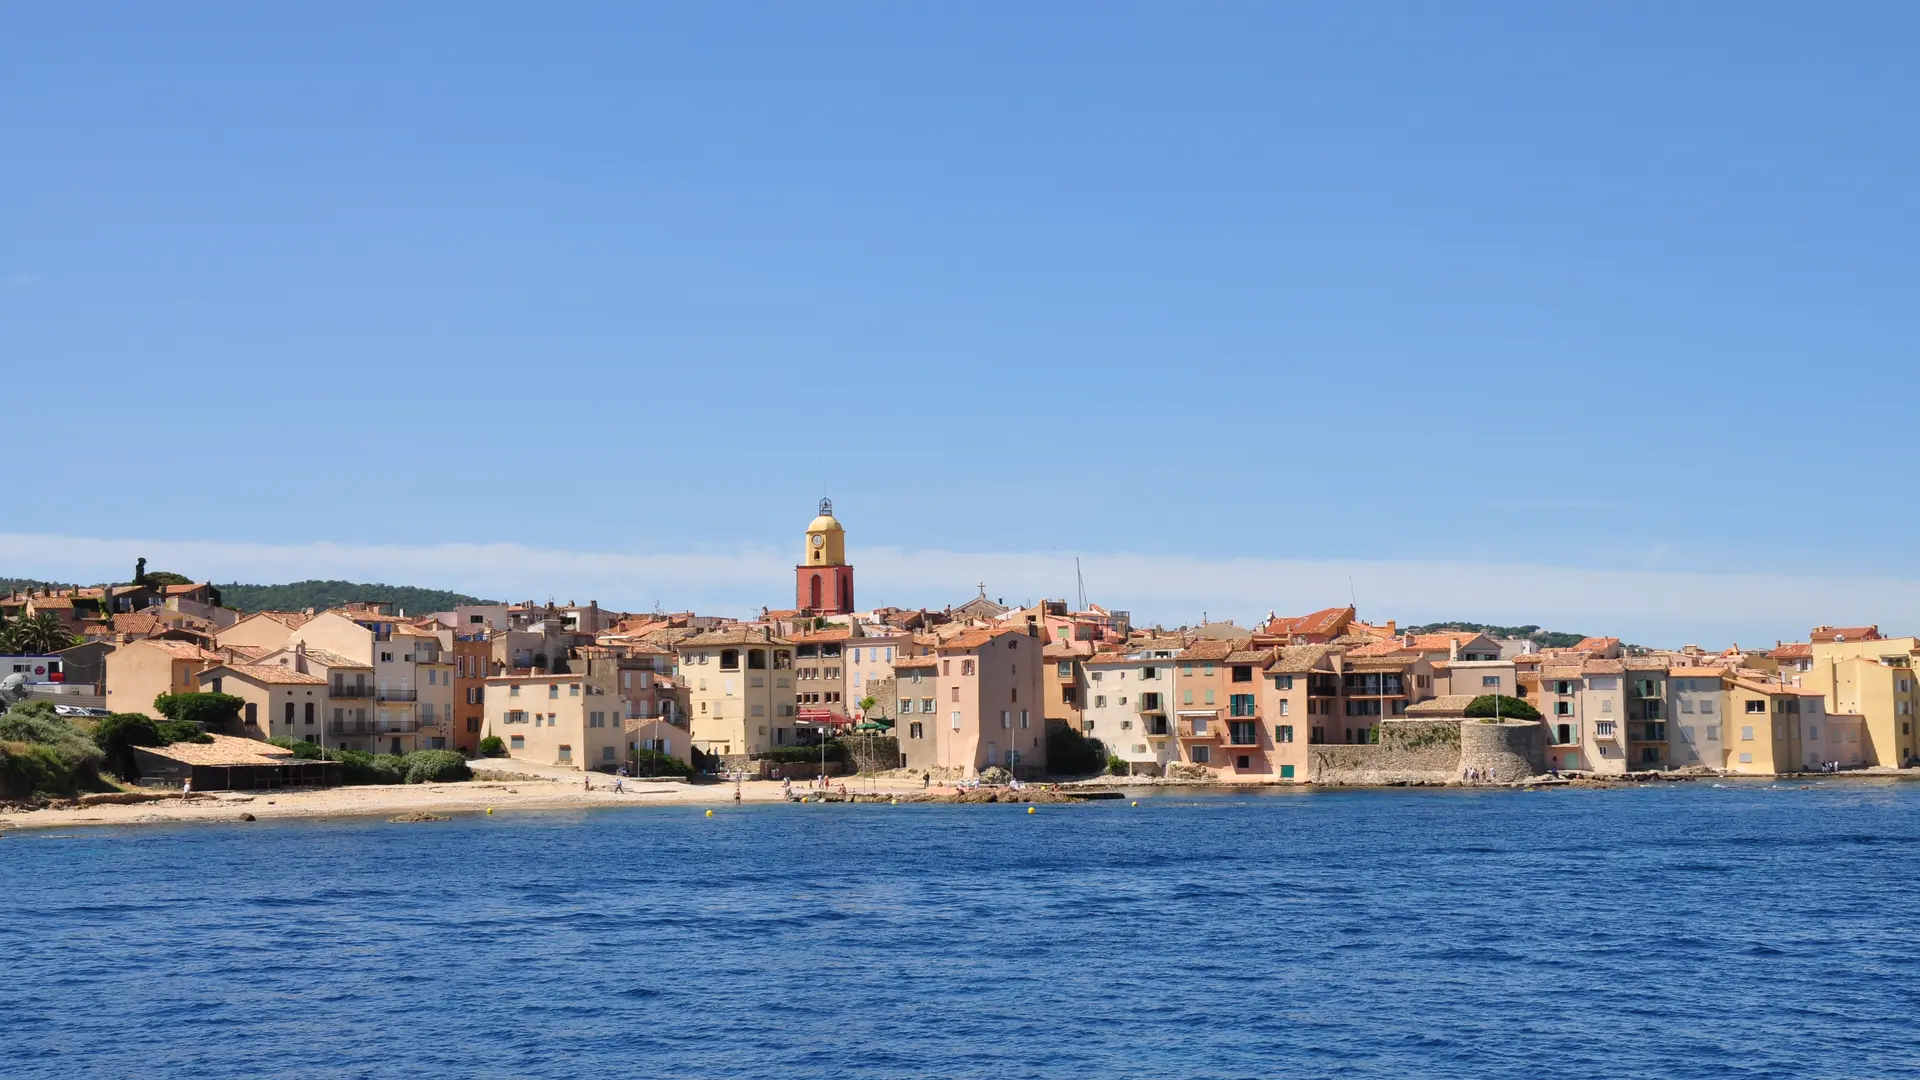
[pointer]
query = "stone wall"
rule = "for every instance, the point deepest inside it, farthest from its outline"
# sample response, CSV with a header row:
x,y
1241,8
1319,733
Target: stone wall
x,y
880,753
1409,752
1508,750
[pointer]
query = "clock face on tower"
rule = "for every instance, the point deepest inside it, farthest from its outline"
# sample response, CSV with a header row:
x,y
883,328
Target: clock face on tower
x,y
818,540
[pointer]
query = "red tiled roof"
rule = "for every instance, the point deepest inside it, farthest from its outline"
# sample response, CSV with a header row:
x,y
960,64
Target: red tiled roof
x,y
1845,633
1793,650
1324,621
973,639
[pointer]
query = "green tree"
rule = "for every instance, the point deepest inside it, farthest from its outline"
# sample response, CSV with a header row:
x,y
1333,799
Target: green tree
x,y
436,767
212,712
866,705
492,746
118,734
1510,708
1069,753
36,635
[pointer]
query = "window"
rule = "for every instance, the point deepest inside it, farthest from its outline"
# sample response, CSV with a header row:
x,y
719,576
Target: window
x,y
553,690
1099,701
1706,705
1209,696
1240,705
1283,733
1563,734
606,753
1746,757
573,689
309,712
252,713
1756,707
1286,772
514,690
566,752
1283,682
1686,705
1154,673
1713,732
955,692
517,742
1489,680
1283,706
386,658
1006,719
1240,733
955,720
966,667
1023,718
926,705
289,714
916,730
906,705
1064,669
1242,673
1201,755
1603,728
1746,733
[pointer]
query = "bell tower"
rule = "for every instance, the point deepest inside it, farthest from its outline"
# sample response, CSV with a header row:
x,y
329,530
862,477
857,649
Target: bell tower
x,y
823,582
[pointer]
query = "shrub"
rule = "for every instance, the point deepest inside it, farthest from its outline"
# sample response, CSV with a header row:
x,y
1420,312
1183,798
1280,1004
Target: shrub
x,y
36,733
302,750
213,712
28,769
173,731
436,767
360,767
1116,765
1511,708
655,763
492,746
800,755
118,734
1070,753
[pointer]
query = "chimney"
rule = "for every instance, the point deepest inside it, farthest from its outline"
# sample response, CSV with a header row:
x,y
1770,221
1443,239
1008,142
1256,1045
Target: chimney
x,y
300,656
1391,625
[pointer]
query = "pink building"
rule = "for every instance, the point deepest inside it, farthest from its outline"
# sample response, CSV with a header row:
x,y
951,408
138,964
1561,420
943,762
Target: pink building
x,y
989,704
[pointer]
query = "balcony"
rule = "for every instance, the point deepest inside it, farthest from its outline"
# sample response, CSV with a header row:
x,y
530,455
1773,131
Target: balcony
x,y
1232,741
397,695
1187,732
1157,728
343,691
352,727
1607,730
1150,703
399,727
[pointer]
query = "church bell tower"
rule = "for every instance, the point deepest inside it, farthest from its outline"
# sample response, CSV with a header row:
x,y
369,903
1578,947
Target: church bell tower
x,y
823,582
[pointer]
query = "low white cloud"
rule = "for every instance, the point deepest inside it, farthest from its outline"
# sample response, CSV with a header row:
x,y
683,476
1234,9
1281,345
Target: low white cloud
x,y
1642,605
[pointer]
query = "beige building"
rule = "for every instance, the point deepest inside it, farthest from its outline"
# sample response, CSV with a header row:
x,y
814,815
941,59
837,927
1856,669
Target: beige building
x,y
262,629
140,671
281,701
740,690
989,691
1767,724
555,720
1858,672
916,709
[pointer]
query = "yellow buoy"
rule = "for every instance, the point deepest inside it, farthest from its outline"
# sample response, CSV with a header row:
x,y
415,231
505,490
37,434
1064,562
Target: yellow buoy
x,y
803,798
1029,809
896,802
489,809
709,813
1136,802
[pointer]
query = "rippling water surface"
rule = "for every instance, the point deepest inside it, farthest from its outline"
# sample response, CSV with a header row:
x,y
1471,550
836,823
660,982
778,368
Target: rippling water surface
x,y
1686,930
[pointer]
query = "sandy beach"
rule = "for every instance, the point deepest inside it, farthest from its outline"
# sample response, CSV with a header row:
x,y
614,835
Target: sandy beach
x,y
387,801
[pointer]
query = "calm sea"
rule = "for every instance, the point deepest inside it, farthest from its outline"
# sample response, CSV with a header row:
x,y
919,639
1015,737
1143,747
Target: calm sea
x,y
1680,931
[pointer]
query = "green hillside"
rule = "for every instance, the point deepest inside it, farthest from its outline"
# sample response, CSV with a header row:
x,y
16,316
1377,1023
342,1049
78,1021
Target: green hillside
x,y
1545,639
300,595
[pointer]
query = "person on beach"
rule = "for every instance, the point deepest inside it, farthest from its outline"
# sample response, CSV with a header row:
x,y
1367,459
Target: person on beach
x,y
926,780
617,782
587,781
186,789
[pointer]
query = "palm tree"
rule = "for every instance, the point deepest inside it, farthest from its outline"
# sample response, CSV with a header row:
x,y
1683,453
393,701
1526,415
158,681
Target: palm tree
x,y
37,635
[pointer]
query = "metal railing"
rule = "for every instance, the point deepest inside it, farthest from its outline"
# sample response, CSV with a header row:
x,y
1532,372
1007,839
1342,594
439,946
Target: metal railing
x,y
344,691
352,727
397,695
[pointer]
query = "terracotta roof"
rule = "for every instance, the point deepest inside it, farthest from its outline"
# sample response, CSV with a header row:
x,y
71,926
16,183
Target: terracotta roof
x,y
909,663
1324,621
1598,644
1298,659
1562,670
182,590
1445,706
1437,642
1250,656
1793,650
974,639
182,650
269,673
139,624
223,750
835,633
328,658
1774,688
59,601
1381,663
1845,633
1645,663
1697,672
1604,667
1111,658
1379,648
732,635
1211,649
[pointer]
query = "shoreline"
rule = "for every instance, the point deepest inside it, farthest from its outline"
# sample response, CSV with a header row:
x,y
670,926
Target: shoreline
x,y
481,796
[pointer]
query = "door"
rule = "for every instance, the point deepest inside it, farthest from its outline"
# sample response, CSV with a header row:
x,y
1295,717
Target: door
x,y
993,753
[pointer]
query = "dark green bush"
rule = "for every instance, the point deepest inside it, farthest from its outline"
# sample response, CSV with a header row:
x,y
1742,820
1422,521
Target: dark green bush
x,y
391,768
436,767
119,733
1511,708
302,750
1070,753
360,767
655,763
173,731
213,712
492,746
1116,765
800,755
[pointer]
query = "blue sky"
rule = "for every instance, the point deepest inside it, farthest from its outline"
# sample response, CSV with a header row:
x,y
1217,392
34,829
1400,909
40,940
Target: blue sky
x,y
1195,283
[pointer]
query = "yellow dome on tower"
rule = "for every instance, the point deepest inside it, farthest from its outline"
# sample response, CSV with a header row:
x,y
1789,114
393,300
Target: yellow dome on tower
x,y
826,543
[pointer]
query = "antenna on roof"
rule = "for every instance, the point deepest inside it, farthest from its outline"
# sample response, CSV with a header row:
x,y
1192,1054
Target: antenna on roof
x,y
1352,602
1080,582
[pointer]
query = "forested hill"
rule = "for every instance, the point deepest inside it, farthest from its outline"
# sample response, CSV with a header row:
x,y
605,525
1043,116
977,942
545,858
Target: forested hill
x,y
1546,639
319,595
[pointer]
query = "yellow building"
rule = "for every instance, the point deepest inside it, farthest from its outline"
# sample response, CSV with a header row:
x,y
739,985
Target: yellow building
x,y
279,699
1766,727
739,682
823,582
555,720
1873,677
140,671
